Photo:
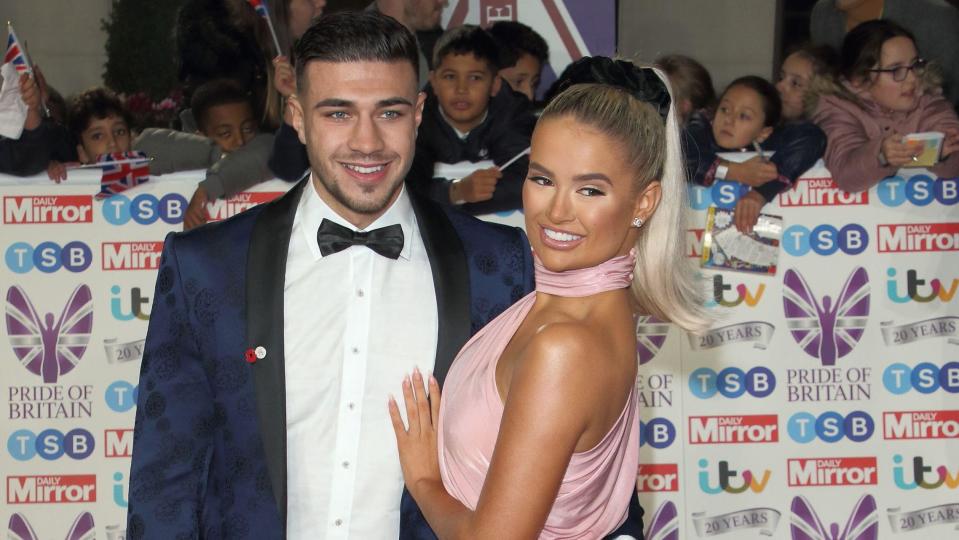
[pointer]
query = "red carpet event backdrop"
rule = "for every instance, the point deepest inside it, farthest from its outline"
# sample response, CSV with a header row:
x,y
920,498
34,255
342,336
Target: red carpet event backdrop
x,y
825,398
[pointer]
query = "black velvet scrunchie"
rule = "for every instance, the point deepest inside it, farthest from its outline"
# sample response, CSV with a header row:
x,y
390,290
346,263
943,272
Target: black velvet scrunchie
x,y
641,83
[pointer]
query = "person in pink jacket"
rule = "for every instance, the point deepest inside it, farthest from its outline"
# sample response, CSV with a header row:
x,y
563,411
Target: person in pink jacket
x,y
884,93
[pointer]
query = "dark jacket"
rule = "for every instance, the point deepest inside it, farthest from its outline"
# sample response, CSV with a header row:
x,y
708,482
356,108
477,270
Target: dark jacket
x,y
33,151
505,133
288,160
797,147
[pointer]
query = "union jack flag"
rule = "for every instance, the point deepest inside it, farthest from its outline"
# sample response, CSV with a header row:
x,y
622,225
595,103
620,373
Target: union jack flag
x,y
122,171
260,7
15,53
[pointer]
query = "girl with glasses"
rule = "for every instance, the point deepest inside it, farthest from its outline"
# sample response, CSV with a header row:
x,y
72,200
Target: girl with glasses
x,y
884,92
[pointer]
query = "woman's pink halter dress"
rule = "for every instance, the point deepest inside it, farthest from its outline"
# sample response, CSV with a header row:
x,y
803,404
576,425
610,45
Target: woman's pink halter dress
x,y
599,482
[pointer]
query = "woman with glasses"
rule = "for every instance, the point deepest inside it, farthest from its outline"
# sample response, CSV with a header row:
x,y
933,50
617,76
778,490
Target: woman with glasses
x,y
884,92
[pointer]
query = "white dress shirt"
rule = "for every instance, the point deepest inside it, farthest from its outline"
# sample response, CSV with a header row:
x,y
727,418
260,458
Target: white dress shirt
x,y
355,323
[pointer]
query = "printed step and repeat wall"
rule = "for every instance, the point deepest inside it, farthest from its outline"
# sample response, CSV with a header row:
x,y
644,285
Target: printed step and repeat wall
x,y
823,404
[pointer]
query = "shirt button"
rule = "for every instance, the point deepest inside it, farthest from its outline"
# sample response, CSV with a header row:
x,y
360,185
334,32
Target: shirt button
x,y
350,405
356,350
346,464
359,292
338,522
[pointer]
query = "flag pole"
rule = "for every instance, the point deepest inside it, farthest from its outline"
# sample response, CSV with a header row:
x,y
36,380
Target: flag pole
x,y
269,23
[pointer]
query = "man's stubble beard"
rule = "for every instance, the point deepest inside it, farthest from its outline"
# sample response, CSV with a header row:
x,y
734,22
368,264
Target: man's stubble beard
x,y
332,186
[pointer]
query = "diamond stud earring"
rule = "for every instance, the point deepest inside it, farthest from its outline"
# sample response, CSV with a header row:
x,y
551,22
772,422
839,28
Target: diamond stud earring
x,y
637,222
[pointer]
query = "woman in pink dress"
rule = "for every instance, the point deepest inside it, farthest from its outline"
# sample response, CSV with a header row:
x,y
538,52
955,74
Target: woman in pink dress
x,y
538,431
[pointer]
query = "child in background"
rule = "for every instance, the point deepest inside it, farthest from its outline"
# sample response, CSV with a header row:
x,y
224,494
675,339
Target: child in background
x,y
523,53
99,123
470,116
748,115
798,70
692,86
884,92
224,113
41,139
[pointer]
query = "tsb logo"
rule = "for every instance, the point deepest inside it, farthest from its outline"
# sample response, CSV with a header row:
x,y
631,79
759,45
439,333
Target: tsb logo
x,y
916,288
48,257
723,194
844,471
925,378
825,239
658,433
50,444
919,190
653,477
830,427
144,209
121,396
732,382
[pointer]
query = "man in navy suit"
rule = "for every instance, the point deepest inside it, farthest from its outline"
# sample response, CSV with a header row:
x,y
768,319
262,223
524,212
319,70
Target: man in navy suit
x,y
277,336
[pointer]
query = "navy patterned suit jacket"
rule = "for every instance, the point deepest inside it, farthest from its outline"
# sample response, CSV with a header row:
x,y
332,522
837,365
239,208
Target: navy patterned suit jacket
x,y
209,453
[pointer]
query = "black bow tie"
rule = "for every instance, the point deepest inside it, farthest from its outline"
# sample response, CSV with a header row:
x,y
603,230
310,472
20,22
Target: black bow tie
x,y
333,238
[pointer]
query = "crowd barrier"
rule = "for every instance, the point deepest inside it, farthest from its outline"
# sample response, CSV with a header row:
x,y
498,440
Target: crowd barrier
x,y
842,413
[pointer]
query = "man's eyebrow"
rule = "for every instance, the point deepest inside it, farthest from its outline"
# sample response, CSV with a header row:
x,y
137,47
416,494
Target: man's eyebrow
x,y
333,102
393,102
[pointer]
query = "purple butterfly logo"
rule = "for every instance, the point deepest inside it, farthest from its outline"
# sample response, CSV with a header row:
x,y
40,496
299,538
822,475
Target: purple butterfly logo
x,y
83,528
827,330
863,524
49,348
665,523
650,335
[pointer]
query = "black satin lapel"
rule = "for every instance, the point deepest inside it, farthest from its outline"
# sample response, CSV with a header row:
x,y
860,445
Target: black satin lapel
x,y
450,281
265,273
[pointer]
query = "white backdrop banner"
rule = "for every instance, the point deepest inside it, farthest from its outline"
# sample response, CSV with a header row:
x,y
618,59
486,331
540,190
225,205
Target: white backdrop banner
x,y
824,400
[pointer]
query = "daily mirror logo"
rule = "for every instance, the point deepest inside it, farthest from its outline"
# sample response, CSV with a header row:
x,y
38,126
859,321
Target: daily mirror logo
x,y
221,209
131,255
820,192
920,425
734,429
32,210
918,237
67,488
841,471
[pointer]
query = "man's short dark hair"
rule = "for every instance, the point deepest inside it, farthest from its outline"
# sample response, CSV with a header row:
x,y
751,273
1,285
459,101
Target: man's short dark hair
x,y
365,36
213,93
515,39
468,39
97,103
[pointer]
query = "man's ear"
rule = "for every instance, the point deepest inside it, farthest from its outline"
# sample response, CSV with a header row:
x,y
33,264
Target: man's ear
x,y
294,104
764,134
82,155
497,84
418,108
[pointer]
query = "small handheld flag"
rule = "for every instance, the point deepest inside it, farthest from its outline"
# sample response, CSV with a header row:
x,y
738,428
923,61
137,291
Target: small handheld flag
x,y
262,11
15,52
122,171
